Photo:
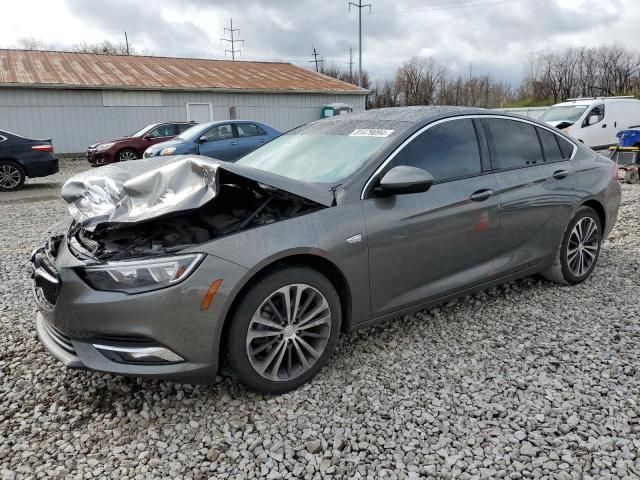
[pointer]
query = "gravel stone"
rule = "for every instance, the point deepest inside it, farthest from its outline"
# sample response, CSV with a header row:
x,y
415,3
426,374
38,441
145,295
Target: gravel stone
x,y
527,380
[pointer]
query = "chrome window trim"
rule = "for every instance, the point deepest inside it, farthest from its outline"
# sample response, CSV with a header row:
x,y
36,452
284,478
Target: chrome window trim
x,y
451,119
2,138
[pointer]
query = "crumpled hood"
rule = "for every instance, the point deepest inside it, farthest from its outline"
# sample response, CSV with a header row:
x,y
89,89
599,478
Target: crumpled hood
x,y
130,192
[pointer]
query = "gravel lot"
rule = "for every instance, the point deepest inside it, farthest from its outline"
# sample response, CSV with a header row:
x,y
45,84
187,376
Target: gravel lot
x,y
529,380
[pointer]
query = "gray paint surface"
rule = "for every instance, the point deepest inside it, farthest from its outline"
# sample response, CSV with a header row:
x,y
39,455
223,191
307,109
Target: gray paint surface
x,y
75,119
416,250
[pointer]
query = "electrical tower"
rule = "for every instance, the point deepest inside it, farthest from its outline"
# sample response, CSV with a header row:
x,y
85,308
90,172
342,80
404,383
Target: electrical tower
x,y
316,60
359,6
232,40
350,64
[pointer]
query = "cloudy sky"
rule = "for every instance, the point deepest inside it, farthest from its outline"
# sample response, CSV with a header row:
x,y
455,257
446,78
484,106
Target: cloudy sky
x,y
493,35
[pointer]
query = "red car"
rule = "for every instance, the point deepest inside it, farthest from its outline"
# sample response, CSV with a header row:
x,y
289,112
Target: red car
x,y
133,146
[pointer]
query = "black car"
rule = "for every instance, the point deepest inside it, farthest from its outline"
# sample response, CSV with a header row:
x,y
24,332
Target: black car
x,y
24,157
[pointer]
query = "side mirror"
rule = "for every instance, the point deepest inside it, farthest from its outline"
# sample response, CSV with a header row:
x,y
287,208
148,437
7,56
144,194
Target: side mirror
x,y
593,119
203,139
402,180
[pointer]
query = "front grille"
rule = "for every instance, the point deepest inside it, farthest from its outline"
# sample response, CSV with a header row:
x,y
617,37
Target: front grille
x,y
62,340
45,275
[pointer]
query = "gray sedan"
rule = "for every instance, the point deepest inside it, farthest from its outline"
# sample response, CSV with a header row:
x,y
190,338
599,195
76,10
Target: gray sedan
x,y
182,267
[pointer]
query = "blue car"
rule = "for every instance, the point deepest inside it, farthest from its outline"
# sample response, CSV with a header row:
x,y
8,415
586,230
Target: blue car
x,y
225,140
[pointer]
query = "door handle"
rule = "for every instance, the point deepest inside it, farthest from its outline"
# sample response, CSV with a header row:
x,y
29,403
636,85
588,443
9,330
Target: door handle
x,y
482,195
604,126
560,174
234,143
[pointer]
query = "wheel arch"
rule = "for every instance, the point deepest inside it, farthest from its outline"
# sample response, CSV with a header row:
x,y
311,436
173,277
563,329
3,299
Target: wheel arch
x,y
310,260
133,149
600,211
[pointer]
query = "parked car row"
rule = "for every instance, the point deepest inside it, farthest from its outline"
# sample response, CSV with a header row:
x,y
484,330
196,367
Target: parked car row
x,y
225,140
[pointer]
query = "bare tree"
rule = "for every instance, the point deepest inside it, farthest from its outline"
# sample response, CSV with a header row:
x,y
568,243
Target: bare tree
x,y
106,48
31,43
419,79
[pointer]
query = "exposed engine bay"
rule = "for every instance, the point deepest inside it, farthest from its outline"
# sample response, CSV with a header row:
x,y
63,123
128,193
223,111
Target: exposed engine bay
x,y
154,207
236,208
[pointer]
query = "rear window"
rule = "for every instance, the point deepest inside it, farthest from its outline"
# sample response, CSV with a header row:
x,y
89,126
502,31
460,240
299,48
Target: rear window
x,y
550,146
566,147
513,144
249,130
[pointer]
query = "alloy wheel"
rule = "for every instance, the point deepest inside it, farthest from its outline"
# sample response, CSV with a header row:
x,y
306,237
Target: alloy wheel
x,y
582,249
10,176
127,155
289,332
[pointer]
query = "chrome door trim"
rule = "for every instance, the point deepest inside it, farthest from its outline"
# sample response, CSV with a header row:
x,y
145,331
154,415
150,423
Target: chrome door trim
x,y
450,119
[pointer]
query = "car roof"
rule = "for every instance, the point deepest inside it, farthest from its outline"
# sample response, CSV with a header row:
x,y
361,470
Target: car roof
x,y
416,114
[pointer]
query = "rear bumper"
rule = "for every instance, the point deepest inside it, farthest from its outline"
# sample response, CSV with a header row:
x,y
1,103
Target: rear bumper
x,y
42,168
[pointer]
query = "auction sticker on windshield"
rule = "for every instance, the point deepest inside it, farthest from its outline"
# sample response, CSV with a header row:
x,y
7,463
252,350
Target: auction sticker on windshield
x,y
371,132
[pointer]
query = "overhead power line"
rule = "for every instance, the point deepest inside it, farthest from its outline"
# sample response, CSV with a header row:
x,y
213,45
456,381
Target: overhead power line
x,y
232,40
360,6
316,60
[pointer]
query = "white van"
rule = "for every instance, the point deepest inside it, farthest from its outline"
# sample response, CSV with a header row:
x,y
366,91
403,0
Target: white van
x,y
594,121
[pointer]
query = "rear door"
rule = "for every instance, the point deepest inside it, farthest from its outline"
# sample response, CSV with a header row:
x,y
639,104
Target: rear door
x,y
536,185
219,142
425,245
250,137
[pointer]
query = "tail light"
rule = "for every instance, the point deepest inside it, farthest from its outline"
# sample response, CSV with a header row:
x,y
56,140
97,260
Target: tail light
x,y
43,148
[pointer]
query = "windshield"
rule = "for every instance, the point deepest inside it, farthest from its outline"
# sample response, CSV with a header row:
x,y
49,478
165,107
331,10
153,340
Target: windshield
x,y
570,113
140,133
322,152
192,132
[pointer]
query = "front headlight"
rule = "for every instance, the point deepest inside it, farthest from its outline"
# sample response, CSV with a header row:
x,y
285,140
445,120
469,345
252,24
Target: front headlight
x,y
167,151
104,146
139,276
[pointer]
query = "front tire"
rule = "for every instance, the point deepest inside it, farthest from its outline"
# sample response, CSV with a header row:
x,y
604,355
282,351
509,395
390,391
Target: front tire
x,y
127,154
284,330
12,176
579,251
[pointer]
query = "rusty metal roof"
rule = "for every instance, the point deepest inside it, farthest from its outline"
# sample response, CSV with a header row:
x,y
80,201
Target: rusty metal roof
x,y
30,68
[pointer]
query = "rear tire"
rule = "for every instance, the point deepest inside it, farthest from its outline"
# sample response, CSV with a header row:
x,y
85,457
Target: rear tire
x,y
127,154
12,176
273,352
578,254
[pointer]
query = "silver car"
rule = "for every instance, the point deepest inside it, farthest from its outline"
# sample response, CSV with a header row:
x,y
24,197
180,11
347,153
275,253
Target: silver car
x,y
182,267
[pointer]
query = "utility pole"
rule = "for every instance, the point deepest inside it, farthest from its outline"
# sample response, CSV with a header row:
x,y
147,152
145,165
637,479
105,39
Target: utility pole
x,y
360,6
315,59
126,41
350,64
232,40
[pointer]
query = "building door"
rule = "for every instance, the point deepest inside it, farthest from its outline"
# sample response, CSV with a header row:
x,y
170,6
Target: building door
x,y
199,112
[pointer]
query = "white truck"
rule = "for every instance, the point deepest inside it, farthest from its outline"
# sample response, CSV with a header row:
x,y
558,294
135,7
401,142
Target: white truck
x,y
594,121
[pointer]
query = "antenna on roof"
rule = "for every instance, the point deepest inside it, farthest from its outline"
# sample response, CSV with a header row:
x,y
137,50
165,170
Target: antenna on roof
x,y
232,40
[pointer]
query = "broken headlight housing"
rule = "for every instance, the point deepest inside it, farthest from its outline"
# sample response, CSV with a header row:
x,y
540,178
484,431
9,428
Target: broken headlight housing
x,y
138,276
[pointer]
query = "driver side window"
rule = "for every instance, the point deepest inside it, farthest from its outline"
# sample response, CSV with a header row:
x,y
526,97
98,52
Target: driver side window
x,y
447,151
162,131
597,111
219,132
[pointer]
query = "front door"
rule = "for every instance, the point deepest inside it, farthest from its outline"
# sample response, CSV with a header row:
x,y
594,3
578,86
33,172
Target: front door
x,y
427,245
219,142
598,129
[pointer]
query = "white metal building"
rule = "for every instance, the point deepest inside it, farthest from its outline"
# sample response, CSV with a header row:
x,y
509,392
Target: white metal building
x,y
77,99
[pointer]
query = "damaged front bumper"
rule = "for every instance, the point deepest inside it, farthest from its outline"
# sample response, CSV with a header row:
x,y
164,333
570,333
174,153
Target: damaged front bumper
x,y
165,333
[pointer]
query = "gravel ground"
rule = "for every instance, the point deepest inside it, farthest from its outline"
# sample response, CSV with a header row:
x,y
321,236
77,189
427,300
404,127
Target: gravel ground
x,y
529,380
